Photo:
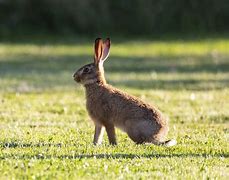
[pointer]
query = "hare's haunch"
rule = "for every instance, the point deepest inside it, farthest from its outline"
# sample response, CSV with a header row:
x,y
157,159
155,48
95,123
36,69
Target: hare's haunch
x,y
109,107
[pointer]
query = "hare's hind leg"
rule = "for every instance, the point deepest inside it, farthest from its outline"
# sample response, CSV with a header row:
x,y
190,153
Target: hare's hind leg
x,y
98,136
137,138
136,135
140,131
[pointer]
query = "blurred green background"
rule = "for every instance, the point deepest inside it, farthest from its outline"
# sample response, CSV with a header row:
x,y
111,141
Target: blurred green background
x,y
129,17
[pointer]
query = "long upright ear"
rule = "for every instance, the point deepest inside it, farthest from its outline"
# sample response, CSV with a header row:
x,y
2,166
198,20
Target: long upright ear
x,y
106,49
98,50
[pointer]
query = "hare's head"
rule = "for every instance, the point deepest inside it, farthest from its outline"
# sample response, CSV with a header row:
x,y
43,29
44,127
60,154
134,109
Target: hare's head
x,y
94,73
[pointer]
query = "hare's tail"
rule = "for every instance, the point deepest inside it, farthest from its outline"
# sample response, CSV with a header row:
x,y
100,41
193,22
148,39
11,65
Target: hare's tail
x,y
168,143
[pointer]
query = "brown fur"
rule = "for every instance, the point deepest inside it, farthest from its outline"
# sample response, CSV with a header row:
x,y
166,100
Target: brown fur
x,y
109,107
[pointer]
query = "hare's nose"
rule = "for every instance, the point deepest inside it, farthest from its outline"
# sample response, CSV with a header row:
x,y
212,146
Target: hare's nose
x,y
74,75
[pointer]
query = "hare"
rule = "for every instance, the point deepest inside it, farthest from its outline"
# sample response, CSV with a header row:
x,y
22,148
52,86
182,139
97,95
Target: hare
x,y
109,107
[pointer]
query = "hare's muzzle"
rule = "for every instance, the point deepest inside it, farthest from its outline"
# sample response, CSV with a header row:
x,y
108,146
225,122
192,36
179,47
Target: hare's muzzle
x,y
76,77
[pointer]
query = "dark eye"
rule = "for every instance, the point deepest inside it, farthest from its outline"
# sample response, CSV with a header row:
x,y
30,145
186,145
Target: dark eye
x,y
86,70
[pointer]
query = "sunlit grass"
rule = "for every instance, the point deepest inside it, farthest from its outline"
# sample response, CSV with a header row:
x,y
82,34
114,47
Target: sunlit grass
x,y
123,49
46,132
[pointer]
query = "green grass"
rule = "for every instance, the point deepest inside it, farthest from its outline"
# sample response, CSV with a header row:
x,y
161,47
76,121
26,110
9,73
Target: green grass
x,y
46,132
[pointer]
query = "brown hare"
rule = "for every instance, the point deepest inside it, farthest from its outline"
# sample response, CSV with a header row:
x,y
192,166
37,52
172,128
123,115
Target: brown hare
x,y
109,107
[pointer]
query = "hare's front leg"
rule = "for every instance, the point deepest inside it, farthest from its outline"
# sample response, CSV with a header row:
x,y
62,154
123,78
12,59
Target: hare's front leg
x,y
111,134
98,136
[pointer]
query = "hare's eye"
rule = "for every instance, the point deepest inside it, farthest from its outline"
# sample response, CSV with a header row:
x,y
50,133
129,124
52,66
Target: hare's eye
x,y
86,70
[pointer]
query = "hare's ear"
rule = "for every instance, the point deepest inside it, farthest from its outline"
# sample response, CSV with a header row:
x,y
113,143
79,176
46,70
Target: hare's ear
x,y
98,50
106,49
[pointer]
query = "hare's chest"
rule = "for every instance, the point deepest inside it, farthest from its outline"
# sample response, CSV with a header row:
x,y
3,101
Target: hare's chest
x,y
92,109
97,109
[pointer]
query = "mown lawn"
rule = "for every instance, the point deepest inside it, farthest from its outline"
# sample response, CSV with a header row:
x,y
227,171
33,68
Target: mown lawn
x,y
46,132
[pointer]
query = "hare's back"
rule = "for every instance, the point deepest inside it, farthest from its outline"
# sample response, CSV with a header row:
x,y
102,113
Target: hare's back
x,y
130,106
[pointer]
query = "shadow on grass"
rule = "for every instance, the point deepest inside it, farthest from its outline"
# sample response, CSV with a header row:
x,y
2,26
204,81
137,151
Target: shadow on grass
x,y
132,156
188,84
96,156
115,156
47,72
28,145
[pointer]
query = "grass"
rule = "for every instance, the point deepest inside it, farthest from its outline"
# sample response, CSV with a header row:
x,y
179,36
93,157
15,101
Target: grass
x,y
46,132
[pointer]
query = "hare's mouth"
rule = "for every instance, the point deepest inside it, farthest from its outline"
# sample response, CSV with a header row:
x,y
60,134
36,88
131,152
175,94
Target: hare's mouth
x,y
77,79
